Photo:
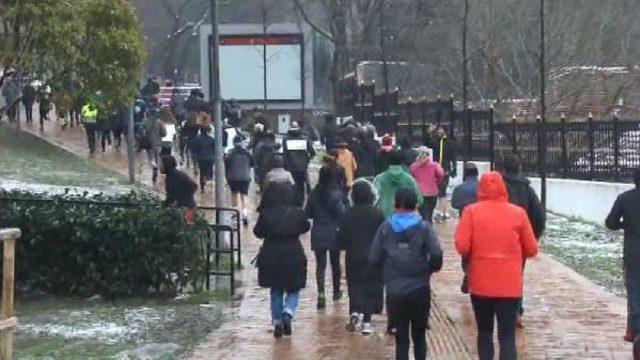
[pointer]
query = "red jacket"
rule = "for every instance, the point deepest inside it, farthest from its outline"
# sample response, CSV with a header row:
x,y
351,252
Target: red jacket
x,y
495,235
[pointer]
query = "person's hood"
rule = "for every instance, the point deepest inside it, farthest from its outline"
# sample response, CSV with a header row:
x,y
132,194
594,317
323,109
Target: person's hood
x,y
401,221
492,187
515,179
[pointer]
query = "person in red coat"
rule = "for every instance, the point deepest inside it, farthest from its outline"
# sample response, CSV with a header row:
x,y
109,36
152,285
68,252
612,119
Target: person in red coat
x,y
495,236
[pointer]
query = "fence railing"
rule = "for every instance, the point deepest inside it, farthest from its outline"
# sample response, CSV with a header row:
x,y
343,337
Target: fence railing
x,y
606,150
9,320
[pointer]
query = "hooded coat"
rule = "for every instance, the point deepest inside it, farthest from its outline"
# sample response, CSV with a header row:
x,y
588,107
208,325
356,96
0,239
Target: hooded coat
x,y
495,236
388,183
366,153
281,261
356,231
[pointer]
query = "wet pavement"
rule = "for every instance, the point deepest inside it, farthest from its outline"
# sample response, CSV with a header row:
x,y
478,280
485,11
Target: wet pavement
x,y
567,316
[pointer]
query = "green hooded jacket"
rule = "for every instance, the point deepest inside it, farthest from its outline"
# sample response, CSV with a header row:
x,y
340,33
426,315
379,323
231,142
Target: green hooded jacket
x,y
388,182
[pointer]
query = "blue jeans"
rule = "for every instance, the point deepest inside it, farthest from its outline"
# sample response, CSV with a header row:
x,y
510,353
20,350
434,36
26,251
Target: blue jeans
x,y
632,283
281,304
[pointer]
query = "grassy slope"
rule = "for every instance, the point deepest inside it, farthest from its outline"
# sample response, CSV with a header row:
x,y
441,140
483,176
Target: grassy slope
x,y
24,157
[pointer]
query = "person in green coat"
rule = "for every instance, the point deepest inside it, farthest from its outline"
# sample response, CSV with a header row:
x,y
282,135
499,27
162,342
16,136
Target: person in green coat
x,y
391,180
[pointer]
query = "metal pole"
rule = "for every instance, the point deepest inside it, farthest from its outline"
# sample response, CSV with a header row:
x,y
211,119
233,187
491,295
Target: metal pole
x,y
542,151
130,144
214,80
385,70
465,57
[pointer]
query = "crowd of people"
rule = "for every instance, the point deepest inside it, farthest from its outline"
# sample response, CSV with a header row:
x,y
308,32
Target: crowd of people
x,y
376,201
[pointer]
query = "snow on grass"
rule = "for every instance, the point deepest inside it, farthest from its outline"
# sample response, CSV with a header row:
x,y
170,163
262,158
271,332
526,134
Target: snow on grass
x,y
590,249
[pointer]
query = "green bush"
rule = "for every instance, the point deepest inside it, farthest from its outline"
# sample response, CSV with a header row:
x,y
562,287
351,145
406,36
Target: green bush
x,y
81,248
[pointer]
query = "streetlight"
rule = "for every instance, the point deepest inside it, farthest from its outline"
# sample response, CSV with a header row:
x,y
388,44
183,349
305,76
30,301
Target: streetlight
x,y
214,91
542,135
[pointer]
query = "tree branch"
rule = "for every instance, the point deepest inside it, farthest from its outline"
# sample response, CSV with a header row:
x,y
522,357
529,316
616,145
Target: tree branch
x,y
306,18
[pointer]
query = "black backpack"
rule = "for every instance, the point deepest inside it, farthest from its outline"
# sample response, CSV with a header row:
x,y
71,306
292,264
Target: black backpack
x,y
406,257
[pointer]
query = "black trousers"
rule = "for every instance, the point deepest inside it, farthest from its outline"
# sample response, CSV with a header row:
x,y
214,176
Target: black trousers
x,y
299,179
105,139
91,136
410,317
117,136
28,109
321,268
428,206
505,310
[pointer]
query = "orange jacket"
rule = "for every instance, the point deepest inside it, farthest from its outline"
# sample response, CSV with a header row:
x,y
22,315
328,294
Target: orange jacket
x,y
348,162
495,235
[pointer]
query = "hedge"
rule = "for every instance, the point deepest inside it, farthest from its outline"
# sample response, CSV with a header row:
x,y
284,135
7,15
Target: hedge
x,y
81,245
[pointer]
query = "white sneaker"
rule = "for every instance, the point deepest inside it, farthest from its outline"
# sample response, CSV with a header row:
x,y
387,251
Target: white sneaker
x,y
367,328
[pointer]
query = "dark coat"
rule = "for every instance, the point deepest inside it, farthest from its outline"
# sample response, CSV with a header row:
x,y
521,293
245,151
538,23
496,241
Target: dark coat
x,y
238,163
326,210
204,148
383,161
366,153
444,152
465,194
179,189
625,214
356,232
195,104
522,194
329,135
282,262
297,160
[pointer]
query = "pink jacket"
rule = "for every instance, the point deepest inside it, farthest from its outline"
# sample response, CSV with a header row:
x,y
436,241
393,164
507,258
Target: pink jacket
x,y
427,174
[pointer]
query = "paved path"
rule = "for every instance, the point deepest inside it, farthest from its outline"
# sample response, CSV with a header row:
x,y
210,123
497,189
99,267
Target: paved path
x,y
567,316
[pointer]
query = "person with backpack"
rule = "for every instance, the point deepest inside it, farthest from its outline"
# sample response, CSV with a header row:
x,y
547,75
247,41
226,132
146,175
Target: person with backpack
x,y
238,163
298,152
326,206
277,173
356,231
154,131
522,194
409,251
204,149
281,262
495,236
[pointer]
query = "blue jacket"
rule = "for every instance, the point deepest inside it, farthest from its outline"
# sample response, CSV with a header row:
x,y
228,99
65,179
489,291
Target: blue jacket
x,y
402,279
465,194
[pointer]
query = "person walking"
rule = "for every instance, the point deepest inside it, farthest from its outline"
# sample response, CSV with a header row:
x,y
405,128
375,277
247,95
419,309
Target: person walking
x,y
329,132
11,93
277,173
204,149
298,152
427,174
344,157
90,120
522,194
28,100
119,126
356,231
281,262
44,104
495,236
238,163
445,154
366,153
326,206
179,187
409,251
154,132
189,134
390,181
464,195
105,126
625,215
384,154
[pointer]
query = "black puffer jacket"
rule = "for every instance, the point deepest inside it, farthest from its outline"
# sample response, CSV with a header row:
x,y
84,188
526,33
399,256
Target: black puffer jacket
x,y
326,210
522,194
282,262
625,215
